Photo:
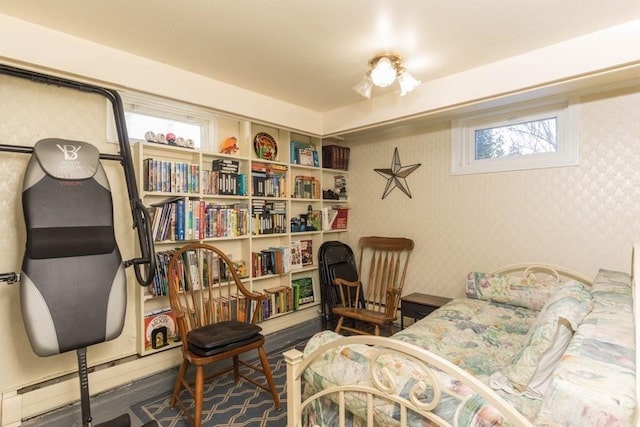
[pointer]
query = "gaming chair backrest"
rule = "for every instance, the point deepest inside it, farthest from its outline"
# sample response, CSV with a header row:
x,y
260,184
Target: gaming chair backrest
x,y
73,285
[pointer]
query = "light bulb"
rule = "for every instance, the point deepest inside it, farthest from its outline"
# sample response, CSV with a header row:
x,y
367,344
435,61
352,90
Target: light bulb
x,y
384,73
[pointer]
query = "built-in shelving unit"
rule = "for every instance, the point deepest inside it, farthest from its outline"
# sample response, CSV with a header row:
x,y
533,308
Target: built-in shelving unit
x,y
276,200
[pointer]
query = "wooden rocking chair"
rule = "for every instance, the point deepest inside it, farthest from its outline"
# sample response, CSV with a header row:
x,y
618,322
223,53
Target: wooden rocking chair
x,y
383,267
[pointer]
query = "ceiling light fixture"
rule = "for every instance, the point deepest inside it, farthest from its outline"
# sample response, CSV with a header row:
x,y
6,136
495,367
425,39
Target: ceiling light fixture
x,y
386,68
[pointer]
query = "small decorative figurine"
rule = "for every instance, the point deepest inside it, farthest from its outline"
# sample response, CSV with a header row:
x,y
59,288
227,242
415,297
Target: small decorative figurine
x,y
229,145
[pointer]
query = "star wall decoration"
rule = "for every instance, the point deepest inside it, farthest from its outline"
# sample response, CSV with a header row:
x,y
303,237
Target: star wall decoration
x,y
397,175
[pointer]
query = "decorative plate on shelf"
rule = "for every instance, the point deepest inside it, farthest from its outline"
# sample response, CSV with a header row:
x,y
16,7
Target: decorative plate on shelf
x,y
265,146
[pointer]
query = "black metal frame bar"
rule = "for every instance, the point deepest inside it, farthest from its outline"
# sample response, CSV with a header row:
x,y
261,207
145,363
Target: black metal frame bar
x,y
140,215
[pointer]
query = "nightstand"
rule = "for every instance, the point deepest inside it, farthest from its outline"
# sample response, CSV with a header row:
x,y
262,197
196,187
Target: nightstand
x,y
417,305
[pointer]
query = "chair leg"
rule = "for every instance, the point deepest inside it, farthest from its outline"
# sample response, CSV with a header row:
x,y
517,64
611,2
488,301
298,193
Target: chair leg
x,y
236,369
178,386
267,373
199,391
339,325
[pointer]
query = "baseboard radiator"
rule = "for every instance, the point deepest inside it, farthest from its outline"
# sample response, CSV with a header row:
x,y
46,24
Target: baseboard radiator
x,y
53,394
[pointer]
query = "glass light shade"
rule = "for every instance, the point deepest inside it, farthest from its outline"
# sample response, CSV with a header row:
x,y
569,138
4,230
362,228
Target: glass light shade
x,y
407,83
364,87
384,73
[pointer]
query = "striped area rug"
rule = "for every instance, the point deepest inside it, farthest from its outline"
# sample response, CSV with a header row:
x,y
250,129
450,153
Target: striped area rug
x,y
227,403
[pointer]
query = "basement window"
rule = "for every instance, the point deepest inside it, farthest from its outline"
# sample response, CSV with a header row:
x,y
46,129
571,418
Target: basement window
x,y
146,113
531,137
138,124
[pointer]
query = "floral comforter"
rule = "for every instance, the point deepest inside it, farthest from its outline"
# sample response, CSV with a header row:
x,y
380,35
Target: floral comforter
x,y
593,383
477,335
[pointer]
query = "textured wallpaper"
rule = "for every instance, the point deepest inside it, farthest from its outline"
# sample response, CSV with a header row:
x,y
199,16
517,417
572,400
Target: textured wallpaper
x,y
584,217
29,112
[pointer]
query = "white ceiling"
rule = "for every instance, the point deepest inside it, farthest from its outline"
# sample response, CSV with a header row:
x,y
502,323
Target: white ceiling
x,y
311,53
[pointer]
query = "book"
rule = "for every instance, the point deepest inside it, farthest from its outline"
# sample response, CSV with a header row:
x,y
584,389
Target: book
x,y
302,291
306,157
306,250
340,186
342,217
296,254
161,329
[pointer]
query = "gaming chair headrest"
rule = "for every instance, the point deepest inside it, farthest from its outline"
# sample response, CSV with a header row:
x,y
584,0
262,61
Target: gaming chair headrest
x,y
68,160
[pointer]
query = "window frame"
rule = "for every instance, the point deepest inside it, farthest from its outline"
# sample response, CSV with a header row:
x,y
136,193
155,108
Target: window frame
x,y
463,147
170,110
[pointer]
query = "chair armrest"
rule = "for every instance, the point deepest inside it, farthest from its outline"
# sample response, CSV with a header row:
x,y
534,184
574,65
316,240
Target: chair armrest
x,y
255,296
338,281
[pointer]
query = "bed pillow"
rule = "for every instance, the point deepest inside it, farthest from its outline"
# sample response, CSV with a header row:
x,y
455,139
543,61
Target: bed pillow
x,y
513,290
544,345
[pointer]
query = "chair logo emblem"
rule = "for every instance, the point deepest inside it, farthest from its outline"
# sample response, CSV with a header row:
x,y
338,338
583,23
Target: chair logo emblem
x,y
69,151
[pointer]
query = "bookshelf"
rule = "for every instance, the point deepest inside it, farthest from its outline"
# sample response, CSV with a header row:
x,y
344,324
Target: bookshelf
x,y
249,202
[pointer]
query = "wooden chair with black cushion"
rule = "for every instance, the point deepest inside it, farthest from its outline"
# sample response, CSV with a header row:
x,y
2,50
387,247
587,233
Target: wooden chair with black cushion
x,y
383,264
216,316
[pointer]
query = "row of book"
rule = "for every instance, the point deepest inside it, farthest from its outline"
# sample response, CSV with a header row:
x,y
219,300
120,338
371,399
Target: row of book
x,y
335,157
224,183
282,259
307,187
183,218
225,178
268,216
284,299
161,327
192,266
304,154
268,180
170,177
